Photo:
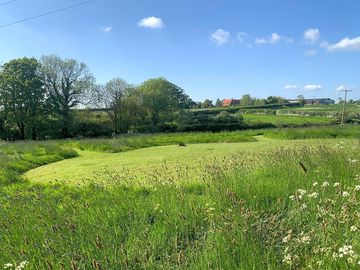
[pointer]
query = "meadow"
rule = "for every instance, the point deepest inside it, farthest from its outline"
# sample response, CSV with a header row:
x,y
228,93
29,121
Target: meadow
x,y
266,199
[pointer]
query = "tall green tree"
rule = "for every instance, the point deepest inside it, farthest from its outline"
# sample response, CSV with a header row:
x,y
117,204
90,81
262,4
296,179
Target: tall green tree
x,y
161,98
122,103
68,84
22,96
218,103
246,100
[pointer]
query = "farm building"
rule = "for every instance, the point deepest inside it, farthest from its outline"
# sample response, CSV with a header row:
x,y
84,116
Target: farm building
x,y
230,102
311,101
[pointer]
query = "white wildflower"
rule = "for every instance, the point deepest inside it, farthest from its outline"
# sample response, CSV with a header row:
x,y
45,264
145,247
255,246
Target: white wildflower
x,y
313,195
8,265
22,265
286,238
357,188
353,228
325,184
345,194
315,184
287,259
336,184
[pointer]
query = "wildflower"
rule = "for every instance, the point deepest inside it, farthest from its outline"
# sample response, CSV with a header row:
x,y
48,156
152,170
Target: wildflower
x,y
325,184
22,265
286,238
353,228
292,197
357,188
303,206
315,184
345,194
313,195
336,184
8,265
287,259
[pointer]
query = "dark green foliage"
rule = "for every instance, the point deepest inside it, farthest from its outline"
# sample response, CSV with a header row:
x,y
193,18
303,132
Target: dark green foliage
x,y
22,99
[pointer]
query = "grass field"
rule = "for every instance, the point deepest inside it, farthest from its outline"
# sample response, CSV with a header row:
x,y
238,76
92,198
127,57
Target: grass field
x,y
170,162
288,120
262,203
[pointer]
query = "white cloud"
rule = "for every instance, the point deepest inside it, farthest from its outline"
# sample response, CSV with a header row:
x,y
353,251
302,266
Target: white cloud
x,y
312,35
272,39
275,38
220,37
107,29
242,36
311,52
151,22
310,87
346,44
342,88
291,87
260,41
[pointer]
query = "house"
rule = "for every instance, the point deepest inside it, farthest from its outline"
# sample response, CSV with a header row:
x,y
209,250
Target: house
x,y
230,102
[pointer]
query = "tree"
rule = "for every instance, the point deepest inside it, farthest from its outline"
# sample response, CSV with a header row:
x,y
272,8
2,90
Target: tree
x,y
22,96
246,100
207,103
301,99
67,83
160,98
218,103
110,97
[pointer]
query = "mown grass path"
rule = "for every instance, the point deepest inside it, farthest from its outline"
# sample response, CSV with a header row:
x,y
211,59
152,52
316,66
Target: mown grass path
x,y
170,161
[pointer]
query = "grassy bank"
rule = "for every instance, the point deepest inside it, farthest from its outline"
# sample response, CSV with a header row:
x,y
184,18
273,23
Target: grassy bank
x,y
17,158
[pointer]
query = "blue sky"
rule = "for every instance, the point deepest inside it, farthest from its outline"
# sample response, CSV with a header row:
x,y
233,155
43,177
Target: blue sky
x,y
213,48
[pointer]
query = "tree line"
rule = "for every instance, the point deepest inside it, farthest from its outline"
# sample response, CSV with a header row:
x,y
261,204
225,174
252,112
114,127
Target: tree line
x,y
38,98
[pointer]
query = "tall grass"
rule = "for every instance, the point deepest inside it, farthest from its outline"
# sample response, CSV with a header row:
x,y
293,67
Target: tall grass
x,y
130,142
17,158
239,216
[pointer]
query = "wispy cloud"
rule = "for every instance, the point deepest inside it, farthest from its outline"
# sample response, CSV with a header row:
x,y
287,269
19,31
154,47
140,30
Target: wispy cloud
x,y
312,35
272,39
151,22
343,87
107,29
242,37
291,87
346,44
312,52
310,87
220,37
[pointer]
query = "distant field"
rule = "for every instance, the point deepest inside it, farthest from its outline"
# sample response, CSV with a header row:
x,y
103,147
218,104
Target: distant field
x,y
283,120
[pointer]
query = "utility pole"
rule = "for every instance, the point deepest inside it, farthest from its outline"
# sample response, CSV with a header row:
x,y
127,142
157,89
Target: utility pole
x,y
344,105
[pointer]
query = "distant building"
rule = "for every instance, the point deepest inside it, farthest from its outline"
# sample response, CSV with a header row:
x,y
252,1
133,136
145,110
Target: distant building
x,y
312,101
231,102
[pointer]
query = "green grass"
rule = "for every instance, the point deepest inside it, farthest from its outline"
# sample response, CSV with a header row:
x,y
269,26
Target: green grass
x,y
350,132
125,143
239,216
287,120
167,162
17,158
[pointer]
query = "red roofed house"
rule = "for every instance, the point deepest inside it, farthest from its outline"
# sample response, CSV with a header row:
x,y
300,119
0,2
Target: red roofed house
x,y
230,102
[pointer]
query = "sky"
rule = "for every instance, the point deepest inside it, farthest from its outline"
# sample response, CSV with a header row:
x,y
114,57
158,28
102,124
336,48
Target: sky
x,y
211,48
